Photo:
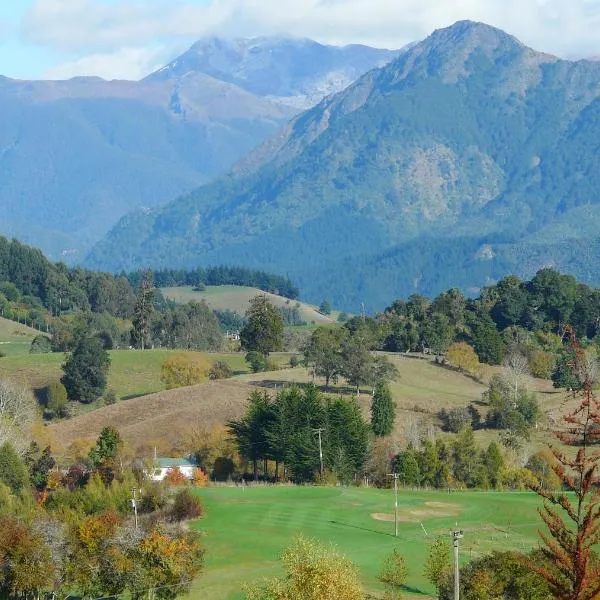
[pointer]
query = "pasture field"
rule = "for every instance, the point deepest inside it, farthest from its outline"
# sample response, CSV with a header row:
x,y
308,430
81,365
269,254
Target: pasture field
x,y
132,372
245,530
15,339
236,298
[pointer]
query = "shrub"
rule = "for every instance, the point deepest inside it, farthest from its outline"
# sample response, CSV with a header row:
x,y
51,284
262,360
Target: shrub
x,y
294,361
55,399
41,344
220,370
183,370
110,397
200,478
175,477
186,506
154,497
455,419
257,361
541,363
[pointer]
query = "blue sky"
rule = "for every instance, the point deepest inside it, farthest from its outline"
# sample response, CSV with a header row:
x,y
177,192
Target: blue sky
x,y
130,38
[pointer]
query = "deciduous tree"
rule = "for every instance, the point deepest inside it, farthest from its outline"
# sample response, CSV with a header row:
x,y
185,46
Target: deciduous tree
x,y
263,331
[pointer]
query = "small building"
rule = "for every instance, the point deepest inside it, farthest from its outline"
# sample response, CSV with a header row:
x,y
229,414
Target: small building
x,y
163,465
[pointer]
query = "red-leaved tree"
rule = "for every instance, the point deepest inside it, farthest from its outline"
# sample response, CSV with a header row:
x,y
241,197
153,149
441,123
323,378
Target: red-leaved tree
x,y
573,518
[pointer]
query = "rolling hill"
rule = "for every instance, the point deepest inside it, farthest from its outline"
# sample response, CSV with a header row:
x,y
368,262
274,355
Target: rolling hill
x,y
77,155
236,298
467,157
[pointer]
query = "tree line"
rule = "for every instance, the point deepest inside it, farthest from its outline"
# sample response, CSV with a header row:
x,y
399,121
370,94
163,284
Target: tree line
x,y
220,275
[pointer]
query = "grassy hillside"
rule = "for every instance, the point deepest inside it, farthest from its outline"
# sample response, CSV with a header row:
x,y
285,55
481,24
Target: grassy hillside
x,y
422,390
15,339
236,298
132,373
247,528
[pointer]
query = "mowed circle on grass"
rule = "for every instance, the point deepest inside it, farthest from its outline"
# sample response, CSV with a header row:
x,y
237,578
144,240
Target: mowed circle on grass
x,y
246,528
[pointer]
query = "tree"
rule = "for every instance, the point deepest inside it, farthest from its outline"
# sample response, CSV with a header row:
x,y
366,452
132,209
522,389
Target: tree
x,y
437,563
263,331
86,369
39,465
184,369
462,356
325,308
356,361
13,472
107,447
488,342
323,353
383,410
565,374
144,307
407,467
573,572
17,413
438,333
41,344
55,399
258,362
312,572
28,567
503,575
394,574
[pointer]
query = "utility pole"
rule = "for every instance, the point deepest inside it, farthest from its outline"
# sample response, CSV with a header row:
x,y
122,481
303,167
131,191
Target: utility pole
x,y
134,505
319,431
456,535
395,476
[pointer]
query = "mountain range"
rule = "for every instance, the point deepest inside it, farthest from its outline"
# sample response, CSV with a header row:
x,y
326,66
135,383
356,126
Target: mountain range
x,y
77,155
468,157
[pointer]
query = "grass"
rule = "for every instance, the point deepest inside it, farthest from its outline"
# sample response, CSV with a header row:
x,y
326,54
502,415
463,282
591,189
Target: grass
x,y
236,298
245,530
132,373
15,339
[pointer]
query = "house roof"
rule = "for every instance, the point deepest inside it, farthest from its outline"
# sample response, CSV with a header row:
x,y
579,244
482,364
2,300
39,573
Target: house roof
x,y
165,463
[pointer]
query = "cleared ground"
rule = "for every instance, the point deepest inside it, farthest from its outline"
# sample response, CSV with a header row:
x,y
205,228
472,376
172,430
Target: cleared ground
x,y
245,530
236,298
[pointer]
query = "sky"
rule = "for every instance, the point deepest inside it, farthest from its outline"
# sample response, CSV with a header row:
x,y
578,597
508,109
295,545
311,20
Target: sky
x,y
127,39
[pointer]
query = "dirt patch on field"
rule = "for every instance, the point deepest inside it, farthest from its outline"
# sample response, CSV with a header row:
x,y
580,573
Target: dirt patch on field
x,y
430,510
165,417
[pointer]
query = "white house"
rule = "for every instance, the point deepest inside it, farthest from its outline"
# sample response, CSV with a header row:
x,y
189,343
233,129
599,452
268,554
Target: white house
x,y
163,465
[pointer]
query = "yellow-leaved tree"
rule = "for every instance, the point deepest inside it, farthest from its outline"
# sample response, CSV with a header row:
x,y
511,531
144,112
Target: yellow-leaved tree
x,y
312,572
184,369
462,356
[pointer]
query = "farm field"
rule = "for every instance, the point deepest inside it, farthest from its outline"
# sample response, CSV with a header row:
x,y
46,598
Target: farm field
x,y
245,530
236,298
15,339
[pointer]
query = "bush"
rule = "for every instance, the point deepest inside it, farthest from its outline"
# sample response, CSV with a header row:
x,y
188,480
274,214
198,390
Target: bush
x,y
257,361
41,344
223,468
110,397
154,497
183,370
55,399
294,361
186,506
175,477
220,370
455,419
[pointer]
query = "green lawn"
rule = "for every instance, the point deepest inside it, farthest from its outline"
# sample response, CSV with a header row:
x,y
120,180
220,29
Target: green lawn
x,y
245,529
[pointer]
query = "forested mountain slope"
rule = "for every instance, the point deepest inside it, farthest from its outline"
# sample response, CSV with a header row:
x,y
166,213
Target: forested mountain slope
x,y
77,155
467,157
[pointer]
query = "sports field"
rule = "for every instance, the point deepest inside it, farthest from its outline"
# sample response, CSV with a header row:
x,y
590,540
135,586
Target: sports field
x,y
245,529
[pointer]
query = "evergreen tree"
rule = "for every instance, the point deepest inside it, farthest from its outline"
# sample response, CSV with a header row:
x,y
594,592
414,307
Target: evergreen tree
x,y
263,331
85,370
144,307
383,410
408,467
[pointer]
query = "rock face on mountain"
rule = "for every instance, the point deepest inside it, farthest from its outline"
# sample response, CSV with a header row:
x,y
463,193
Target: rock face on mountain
x,y
295,72
77,155
468,156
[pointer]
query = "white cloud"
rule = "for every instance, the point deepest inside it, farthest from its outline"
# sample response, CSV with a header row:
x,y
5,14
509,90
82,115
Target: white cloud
x,y
125,63
104,28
